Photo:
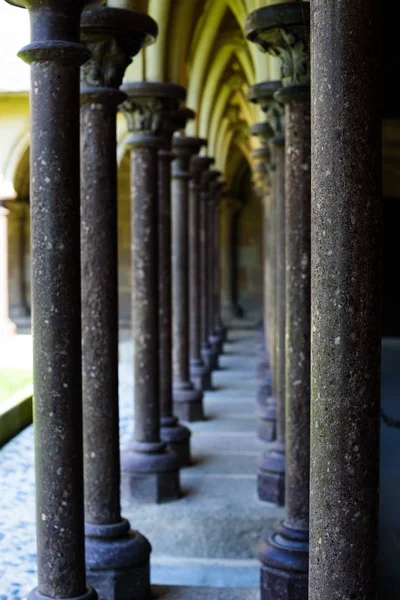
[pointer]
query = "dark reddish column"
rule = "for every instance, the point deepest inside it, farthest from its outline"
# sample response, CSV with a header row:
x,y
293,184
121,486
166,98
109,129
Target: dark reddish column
x,y
176,435
283,30
188,401
266,394
55,55
210,232
346,292
200,373
117,558
208,351
218,330
149,471
205,347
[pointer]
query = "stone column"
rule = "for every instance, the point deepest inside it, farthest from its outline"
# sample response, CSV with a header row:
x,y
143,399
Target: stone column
x,y
210,350
218,332
188,401
199,372
346,293
117,558
176,435
7,327
269,489
283,30
55,56
149,471
211,216
229,206
205,347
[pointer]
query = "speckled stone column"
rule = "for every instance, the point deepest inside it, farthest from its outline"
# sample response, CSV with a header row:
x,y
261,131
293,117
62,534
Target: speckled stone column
x,y
55,56
205,347
176,435
212,353
346,299
218,330
188,401
199,372
283,30
266,394
117,558
149,471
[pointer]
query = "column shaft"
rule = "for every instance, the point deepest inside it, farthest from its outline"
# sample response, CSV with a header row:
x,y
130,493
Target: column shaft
x,y
145,292
180,267
176,435
199,372
298,250
194,269
56,296
165,285
346,293
99,255
187,400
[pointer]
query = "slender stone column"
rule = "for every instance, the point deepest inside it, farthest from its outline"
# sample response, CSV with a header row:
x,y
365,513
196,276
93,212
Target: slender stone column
x,y
221,331
205,347
218,330
229,206
117,559
55,56
149,471
188,401
266,395
176,435
199,372
346,292
283,30
211,216
210,352
7,327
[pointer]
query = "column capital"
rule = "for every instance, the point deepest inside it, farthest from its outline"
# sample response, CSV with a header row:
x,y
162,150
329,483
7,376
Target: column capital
x,y
198,165
113,36
263,94
184,147
283,30
148,105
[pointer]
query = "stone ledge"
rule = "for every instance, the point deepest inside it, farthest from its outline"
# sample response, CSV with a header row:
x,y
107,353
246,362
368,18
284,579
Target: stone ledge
x,y
16,414
204,593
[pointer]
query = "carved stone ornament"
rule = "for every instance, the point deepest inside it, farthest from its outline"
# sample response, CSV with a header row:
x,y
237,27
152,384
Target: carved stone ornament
x,y
106,67
276,118
283,30
146,114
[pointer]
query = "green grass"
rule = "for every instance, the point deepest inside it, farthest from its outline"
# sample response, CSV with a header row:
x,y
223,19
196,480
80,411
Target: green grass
x,y
13,380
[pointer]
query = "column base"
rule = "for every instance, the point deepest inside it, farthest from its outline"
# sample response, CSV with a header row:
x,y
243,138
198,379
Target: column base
x,y
222,331
284,564
263,368
188,403
150,473
210,358
90,594
271,475
266,422
266,411
177,438
216,343
200,376
117,561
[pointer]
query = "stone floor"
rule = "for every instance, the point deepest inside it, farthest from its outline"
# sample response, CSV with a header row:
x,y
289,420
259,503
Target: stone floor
x,y
209,536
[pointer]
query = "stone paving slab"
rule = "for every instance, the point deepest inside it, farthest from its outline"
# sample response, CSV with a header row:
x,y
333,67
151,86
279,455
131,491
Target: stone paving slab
x,y
214,500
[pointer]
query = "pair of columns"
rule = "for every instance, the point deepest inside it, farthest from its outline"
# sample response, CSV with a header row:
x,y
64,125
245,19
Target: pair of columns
x,y
105,39
331,357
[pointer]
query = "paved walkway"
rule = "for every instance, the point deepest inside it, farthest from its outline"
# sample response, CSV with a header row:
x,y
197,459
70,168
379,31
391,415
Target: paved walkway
x,y
206,538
